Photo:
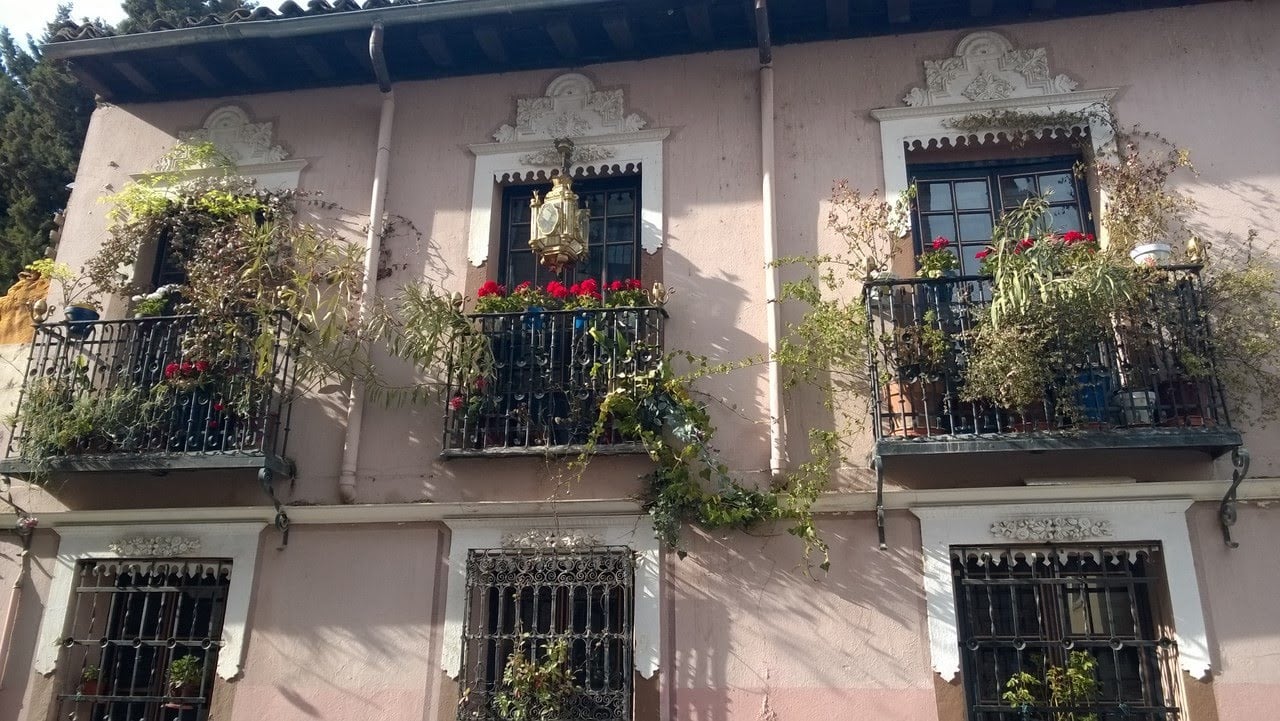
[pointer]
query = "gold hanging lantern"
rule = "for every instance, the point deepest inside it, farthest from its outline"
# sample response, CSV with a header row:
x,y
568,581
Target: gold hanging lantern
x,y
558,232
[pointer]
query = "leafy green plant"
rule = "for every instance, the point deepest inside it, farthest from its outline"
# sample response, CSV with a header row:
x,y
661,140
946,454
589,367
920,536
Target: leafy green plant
x,y
91,673
532,689
185,672
1068,687
75,288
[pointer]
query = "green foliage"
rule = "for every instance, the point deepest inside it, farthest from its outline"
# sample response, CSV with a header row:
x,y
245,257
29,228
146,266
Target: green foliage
x,y
74,287
533,690
91,673
1071,687
44,114
185,671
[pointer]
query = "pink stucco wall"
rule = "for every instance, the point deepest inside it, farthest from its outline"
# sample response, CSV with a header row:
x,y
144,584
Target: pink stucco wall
x,y
345,621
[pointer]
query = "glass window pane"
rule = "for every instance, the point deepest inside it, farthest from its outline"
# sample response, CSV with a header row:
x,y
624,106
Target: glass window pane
x,y
1064,218
1014,189
969,263
520,209
620,261
934,196
621,230
593,202
595,235
1062,186
975,227
621,202
522,268
972,195
936,225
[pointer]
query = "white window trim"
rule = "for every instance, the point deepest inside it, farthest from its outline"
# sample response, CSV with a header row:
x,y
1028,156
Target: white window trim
x,y
903,129
635,532
237,542
498,163
1162,521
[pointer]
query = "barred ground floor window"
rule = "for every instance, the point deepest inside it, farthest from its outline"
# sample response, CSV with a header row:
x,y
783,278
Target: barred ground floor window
x,y
569,612
142,639
1065,633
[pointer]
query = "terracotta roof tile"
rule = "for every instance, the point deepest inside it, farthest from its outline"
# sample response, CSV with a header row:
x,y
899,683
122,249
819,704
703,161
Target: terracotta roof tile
x,y
289,9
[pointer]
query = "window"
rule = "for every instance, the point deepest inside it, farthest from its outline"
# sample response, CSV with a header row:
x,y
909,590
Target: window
x,y
129,622
1029,609
524,600
613,239
962,201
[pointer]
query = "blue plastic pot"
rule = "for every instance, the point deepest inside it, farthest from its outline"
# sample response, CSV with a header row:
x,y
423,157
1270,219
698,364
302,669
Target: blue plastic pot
x,y
80,320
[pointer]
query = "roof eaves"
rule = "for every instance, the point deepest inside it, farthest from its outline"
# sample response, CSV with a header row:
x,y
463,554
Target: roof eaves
x,y
290,27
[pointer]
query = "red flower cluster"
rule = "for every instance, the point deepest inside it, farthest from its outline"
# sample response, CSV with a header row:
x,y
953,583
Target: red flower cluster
x,y
520,288
1072,237
557,290
185,368
491,287
455,403
1023,244
940,243
589,288
982,254
618,286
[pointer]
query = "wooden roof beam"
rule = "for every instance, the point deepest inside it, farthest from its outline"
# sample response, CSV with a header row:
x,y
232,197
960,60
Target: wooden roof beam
x,y
135,78
194,65
245,63
619,32
563,38
698,16
314,59
490,41
436,47
899,11
838,15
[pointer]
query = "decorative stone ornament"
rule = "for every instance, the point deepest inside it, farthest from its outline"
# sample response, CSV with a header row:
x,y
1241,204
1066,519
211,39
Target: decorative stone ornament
x,y
155,546
1059,528
548,539
571,108
242,142
557,234
986,66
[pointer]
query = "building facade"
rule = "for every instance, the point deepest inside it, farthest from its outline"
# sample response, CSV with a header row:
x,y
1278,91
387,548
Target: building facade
x,y
388,573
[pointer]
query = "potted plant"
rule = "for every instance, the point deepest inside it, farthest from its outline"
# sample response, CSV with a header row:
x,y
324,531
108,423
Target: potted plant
x,y
156,303
1064,691
79,297
935,263
184,677
90,681
532,689
917,353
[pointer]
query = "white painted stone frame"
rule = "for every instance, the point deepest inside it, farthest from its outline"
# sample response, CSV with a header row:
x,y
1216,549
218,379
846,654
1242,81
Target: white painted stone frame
x,y
605,136
237,542
635,532
1163,521
987,73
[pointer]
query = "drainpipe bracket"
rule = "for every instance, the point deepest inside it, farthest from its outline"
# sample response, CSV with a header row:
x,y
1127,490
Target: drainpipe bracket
x,y
1227,512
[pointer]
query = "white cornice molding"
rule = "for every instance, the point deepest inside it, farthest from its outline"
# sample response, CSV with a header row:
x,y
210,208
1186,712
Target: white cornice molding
x,y
1132,522
1083,99
237,542
634,531
1259,489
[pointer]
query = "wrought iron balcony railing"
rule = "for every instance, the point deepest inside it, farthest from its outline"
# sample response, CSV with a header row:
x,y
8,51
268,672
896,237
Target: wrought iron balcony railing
x,y
1149,382
135,395
551,369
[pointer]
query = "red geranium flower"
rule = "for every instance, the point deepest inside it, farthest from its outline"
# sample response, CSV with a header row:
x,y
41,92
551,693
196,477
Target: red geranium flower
x,y
982,254
186,367
615,286
575,289
490,287
1072,236
219,405
202,366
940,242
634,284
590,286
557,290
523,287
455,403
171,370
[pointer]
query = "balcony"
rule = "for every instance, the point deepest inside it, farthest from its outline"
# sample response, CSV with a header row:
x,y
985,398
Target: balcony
x,y
1136,388
550,371
121,396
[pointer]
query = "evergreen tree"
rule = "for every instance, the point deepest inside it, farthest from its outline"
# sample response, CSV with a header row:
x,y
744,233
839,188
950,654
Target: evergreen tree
x,y
44,113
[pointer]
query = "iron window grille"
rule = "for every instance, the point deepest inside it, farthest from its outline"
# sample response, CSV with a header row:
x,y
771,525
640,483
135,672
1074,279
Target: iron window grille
x,y
613,236
963,201
524,600
1027,609
130,620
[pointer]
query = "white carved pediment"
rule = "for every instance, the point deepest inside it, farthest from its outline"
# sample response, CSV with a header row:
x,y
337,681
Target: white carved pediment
x,y
571,108
242,141
155,546
1052,528
985,67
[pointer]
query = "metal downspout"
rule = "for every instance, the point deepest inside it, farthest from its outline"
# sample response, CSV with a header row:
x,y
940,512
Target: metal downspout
x,y
769,225
15,598
356,400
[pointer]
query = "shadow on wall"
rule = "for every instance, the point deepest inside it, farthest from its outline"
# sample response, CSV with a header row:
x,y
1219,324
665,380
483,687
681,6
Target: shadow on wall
x,y
746,620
